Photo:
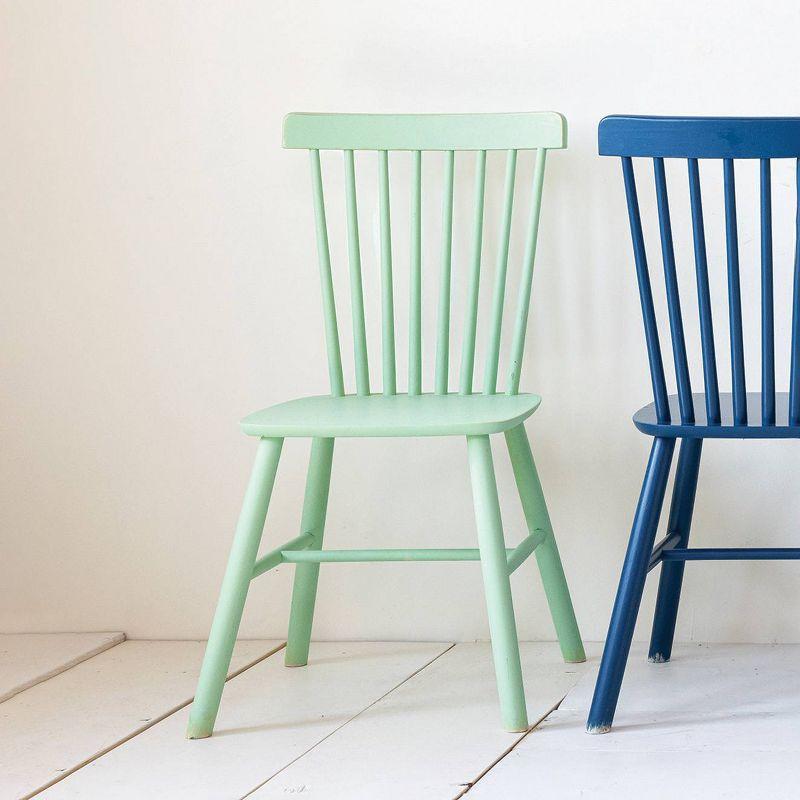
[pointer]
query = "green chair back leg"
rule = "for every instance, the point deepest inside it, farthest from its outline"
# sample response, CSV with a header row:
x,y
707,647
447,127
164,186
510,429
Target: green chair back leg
x,y
389,140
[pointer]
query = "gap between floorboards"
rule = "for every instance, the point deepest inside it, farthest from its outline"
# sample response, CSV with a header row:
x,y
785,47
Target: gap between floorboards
x,y
348,721
510,750
143,728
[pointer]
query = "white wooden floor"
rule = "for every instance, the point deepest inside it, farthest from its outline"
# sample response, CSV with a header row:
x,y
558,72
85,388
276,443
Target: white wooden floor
x,y
93,716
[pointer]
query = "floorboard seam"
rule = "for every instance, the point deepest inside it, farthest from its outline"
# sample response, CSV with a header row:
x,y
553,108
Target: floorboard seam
x,y
509,750
143,728
348,721
63,667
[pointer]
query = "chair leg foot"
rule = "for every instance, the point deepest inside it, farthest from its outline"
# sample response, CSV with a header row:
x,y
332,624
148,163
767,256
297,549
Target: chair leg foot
x,y
631,585
671,579
306,576
547,556
233,593
502,626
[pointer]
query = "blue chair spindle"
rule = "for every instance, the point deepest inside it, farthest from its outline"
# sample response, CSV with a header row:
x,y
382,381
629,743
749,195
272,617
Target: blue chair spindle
x,y
734,297
704,297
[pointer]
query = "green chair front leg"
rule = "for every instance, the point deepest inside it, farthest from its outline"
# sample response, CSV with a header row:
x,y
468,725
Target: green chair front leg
x,y
233,593
306,576
547,557
496,578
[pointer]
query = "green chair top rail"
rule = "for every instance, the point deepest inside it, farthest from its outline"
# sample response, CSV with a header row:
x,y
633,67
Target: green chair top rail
x,y
517,131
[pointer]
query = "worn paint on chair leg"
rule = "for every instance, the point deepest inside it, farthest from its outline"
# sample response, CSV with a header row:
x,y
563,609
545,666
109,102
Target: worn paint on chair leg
x,y
680,521
306,576
547,557
233,593
631,585
502,627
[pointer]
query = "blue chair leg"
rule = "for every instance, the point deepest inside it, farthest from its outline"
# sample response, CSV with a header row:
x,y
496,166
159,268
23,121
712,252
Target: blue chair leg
x,y
631,585
680,521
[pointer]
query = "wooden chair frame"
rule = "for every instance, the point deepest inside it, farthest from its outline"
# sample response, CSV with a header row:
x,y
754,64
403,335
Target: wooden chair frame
x,y
687,416
415,413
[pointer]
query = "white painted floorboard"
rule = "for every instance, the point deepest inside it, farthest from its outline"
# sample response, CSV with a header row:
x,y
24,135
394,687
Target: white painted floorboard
x,y
718,721
30,658
53,727
270,715
431,736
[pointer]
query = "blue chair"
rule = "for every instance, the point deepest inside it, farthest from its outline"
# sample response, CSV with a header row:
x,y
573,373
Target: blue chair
x,y
693,417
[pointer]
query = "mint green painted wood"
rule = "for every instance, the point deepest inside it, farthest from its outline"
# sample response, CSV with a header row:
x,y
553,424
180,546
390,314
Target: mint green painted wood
x,y
415,413
498,298
326,279
443,324
526,282
234,590
387,287
306,576
518,556
499,604
547,557
515,556
356,285
275,557
471,315
525,131
398,415
415,283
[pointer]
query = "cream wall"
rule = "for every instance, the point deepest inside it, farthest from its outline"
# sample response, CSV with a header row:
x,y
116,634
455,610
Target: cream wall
x,y
159,282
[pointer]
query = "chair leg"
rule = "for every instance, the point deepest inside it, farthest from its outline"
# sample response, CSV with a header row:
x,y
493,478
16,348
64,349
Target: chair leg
x,y
680,521
631,585
304,594
503,629
547,557
234,590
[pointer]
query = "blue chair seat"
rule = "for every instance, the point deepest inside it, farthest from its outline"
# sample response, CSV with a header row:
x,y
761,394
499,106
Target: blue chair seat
x,y
646,419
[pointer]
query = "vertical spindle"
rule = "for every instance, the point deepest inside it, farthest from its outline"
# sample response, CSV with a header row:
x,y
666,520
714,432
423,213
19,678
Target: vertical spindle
x,y
526,277
387,289
498,300
328,301
767,300
471,315
734,297
645,294
794,377
673,296
356,286
704,297
415,282
443,322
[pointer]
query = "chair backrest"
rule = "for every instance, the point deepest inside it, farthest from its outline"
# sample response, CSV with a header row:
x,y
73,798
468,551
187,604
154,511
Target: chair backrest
x,y
725,139
418,133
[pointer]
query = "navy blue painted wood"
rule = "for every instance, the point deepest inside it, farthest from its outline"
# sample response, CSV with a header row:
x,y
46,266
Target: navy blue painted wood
x,y
794,376
732,554
645,294
767,300
673,297
680,522
734,296
709,414
646,420
703,296
700,137
631,584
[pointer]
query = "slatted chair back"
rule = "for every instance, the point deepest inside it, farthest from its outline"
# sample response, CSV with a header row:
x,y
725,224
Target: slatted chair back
x,y
724,139
449,134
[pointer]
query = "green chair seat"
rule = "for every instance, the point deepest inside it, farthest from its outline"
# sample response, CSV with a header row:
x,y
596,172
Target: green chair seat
x,y
393,415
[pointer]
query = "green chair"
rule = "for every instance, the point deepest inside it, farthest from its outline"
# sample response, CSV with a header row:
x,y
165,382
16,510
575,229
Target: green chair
x,y
415,413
